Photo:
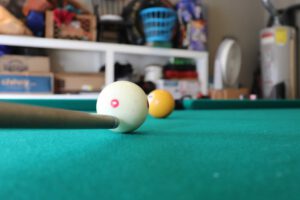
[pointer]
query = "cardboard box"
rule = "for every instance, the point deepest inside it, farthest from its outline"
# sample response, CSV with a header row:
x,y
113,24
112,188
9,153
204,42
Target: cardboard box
x,y
228,93
180,88
16,63
33,83
78,82
82,27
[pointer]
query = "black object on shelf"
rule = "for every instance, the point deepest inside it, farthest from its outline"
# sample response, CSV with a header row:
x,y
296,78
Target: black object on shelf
x,y
147,86
4,50
278,91
121,70
28,51
257,83
110,31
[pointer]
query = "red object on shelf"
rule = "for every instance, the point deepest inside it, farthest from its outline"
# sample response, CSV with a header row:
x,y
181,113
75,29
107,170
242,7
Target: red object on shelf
x,y
174,74
63,17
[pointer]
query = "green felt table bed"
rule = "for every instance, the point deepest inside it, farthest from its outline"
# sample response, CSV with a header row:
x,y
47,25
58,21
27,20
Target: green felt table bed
x,y
210,150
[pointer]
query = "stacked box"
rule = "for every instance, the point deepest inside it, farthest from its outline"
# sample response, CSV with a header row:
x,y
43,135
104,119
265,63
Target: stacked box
x,y
78,82
34,83
25,74
16,63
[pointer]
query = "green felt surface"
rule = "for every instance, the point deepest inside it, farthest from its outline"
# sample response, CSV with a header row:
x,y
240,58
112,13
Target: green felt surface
x,y
203,154
90,104
239,104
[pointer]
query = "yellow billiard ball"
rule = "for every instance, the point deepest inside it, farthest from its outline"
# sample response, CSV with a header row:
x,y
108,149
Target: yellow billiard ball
x,y
161,103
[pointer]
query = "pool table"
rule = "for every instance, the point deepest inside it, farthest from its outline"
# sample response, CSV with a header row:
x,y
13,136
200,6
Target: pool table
x,y
207,150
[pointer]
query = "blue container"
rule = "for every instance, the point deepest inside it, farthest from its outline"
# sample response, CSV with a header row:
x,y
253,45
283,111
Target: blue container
x,y
159,23
26,83
36,23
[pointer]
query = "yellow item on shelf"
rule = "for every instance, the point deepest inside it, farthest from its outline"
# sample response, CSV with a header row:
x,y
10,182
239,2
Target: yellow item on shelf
x,y
10,25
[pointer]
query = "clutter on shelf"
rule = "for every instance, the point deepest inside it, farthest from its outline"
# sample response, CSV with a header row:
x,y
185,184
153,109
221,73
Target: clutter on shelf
x,y
158,23
192,24
179,77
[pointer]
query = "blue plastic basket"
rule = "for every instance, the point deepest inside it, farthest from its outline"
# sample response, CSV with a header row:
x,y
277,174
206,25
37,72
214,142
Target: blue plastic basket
x,y
159,23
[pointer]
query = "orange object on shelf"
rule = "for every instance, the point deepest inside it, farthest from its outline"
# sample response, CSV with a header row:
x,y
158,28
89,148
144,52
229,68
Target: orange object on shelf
x,y
229,93
36,5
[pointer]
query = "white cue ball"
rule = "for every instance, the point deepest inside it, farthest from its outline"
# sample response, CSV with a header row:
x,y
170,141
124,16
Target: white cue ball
x,y
125,101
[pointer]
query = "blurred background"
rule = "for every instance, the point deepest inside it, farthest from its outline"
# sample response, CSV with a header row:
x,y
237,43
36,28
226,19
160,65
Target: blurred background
x,y
242,50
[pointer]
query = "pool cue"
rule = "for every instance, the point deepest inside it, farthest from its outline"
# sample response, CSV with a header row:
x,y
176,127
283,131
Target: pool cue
x,y
25,116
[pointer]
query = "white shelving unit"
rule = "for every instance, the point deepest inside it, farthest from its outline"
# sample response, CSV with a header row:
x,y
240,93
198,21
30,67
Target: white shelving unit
x,y
110,50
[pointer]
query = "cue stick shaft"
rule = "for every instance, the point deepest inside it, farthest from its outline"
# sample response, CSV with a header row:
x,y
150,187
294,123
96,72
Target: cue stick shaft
x,y
25,116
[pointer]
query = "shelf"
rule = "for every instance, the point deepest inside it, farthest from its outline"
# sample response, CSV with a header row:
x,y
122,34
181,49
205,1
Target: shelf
x,y
49,96
201,58
96,46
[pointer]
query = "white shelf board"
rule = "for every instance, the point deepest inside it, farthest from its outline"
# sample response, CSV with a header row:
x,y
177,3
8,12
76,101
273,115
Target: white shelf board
x,y
48,43
48,96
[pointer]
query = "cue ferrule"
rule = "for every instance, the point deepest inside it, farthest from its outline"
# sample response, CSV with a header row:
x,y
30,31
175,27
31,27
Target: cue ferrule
x,y
25,116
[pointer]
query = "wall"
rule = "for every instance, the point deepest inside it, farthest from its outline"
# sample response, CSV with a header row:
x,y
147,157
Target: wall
x,y
242,19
